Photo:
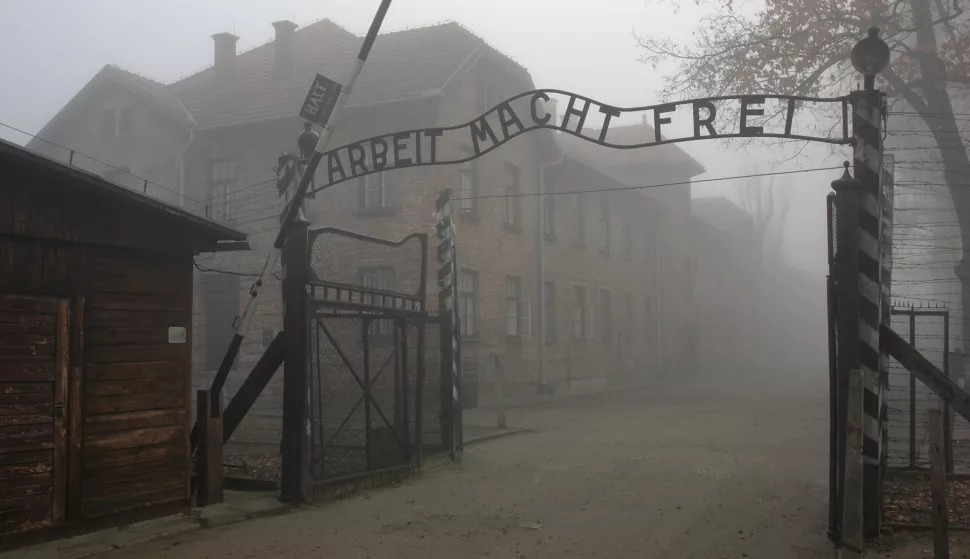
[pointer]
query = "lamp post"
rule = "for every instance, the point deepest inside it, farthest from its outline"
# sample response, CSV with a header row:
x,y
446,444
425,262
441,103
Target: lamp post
x,y
869,57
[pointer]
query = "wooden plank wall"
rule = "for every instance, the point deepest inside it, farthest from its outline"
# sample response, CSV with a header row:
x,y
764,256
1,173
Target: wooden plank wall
x,y
33,356
130,434
136,384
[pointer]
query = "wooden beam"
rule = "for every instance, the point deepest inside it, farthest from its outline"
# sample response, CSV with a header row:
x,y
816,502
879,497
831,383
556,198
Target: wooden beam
x,y
253,386
852,513
925,371
941,538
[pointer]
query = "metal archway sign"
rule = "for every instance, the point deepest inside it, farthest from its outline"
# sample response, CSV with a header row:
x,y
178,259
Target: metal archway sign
x,y
525,112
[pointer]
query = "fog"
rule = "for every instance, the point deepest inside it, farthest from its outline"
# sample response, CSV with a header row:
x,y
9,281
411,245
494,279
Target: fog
x,y
575,45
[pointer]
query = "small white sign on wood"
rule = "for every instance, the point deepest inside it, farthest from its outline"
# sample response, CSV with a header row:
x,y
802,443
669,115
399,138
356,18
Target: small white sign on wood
x,y
176,334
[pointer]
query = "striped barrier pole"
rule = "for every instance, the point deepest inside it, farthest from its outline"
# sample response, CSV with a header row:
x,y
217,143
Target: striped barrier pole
x,y
448,310
886,191
867,113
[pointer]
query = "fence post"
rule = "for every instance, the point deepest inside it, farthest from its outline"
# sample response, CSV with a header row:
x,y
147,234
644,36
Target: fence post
x,y
447,308
912,392
495,368
293,471
852,506
941,539
209,467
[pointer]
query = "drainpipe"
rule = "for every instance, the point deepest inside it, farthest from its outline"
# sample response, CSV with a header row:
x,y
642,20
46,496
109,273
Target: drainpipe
x,y
541,262
182,169
656,290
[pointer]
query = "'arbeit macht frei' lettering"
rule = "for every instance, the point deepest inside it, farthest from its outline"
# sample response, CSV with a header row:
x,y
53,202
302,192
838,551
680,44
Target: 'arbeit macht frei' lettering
x,y
504,122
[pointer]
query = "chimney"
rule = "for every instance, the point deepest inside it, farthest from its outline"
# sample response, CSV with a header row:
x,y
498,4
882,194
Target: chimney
x,y
284,45
225,51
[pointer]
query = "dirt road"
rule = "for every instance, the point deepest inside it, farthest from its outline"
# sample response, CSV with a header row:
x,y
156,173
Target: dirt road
x,y
717,470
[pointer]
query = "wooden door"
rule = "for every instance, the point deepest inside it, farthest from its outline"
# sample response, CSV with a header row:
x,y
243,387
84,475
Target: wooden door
x,y
33,389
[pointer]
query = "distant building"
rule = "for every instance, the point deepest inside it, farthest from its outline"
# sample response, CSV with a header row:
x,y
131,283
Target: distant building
x,y
214,136
727,264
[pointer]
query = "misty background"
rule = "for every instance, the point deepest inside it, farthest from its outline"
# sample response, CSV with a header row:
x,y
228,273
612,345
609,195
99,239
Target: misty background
x,y
576,45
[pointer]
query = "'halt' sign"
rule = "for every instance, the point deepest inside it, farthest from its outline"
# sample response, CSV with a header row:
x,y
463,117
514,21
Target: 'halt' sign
x,y
320,100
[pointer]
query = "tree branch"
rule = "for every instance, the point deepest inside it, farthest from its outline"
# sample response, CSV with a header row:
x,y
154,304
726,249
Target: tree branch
x,y
903,89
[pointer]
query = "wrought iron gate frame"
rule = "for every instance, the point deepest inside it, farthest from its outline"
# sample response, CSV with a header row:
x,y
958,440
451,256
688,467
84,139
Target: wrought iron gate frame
x,y
910,311
331,299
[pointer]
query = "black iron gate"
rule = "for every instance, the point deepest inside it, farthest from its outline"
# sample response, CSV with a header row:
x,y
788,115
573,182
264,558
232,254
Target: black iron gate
x,y
366,349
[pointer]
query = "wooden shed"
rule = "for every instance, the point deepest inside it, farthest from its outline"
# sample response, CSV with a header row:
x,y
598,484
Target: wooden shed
x,y
95,348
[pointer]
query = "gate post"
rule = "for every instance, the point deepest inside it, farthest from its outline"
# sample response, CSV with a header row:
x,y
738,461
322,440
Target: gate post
x,y
450,382
844,272
867,112
295,266
886,193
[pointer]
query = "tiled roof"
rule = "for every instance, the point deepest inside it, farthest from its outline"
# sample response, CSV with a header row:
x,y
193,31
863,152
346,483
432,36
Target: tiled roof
x,y
157,92
82,179
402,64
619,160
723,214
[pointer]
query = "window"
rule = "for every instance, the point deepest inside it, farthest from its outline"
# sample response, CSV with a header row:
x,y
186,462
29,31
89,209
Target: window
x,y
689,278
379,278
468,188
109,124
511,180
628,322
513,306
606,309
580,313
549,215
125,122
626,238
604,227
374,188
579,220
648,318
549,311
468,301
222,181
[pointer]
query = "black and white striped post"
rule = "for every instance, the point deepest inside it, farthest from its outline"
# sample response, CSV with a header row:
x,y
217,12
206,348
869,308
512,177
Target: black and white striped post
x,y
859,269
451,430
867,168
886,191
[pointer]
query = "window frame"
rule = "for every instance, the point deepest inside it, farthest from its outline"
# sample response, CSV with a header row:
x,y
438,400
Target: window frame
x,y
513,306
579,220
604,231
467,201
366,188
581,328
606,315
468,321
222,190
549,312
511,177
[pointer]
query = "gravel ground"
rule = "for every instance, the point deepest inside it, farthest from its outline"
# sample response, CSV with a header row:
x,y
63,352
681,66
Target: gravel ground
x,y
717,469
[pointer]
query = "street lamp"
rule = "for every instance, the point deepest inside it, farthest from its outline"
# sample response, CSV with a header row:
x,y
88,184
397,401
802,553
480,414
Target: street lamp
x,y
869,57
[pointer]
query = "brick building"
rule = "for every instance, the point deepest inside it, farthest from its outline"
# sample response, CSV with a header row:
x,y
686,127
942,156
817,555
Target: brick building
x,y
617,262
727,254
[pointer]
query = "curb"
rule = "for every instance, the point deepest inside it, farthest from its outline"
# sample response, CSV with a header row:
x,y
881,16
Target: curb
x,y
502,435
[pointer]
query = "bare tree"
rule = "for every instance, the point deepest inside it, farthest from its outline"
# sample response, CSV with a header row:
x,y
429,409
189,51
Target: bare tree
x,y
768,205
802,47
